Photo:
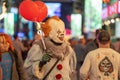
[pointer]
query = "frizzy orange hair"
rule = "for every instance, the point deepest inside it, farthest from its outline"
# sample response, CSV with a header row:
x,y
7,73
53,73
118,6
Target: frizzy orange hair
x,y
8,39
46,27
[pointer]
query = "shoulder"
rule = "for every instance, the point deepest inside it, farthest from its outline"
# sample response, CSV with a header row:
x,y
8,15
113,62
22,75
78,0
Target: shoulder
x,y
93,52
79,45
114,51
13,51
91,43
38,44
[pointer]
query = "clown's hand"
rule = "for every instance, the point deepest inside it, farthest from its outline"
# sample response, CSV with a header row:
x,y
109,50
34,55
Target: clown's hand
x,y
46,58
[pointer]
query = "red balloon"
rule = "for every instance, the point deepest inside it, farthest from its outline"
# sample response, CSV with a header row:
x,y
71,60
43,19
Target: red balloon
x,y
43,11
29,10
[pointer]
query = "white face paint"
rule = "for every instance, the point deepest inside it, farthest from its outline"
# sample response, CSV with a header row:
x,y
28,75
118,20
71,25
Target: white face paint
x,y
58,30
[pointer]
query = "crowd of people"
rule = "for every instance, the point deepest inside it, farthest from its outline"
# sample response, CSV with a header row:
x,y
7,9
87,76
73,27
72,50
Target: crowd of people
x,y
52,57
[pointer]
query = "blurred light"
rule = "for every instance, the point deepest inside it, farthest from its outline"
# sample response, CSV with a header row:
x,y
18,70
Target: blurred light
x,y
106,1
112,20
117,19
14,10
107,22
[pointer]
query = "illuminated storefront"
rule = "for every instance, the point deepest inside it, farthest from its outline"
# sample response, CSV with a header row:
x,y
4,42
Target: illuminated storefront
x,y
111,18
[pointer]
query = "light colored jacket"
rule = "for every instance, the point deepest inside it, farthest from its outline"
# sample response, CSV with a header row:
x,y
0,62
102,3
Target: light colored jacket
x,y
101,64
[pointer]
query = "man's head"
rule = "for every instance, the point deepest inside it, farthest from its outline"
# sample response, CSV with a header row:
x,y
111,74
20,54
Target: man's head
x,y
97,33
104,37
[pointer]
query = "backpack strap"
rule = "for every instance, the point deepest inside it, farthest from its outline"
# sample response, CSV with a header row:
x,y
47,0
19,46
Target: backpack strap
x,y
51,69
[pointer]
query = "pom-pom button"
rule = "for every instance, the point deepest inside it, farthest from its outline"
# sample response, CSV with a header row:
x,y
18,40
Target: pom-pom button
x,y
59,66
58,76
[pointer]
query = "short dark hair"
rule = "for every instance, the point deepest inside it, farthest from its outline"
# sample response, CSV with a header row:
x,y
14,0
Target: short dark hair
x,y
104,37
98,31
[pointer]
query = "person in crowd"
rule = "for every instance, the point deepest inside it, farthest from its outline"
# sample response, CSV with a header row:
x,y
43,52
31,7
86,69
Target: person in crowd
x,y
117,45
73,41
102,63
4,9
37,37
11,63
18,45
27,44
93,44
79,50
54,61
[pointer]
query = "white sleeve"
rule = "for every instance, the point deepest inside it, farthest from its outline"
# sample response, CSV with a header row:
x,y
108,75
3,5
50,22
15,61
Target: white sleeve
x,y
84,70
73,60
34,56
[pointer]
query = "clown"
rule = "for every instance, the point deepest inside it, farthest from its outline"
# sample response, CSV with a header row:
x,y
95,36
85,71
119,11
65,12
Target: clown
x,y
57,61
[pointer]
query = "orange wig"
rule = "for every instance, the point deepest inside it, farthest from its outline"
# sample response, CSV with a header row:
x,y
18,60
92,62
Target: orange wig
x,y
46,27
8,39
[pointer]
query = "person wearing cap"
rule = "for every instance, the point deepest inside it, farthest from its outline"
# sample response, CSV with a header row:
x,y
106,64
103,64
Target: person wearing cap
x,y
102,63
79,50
73,41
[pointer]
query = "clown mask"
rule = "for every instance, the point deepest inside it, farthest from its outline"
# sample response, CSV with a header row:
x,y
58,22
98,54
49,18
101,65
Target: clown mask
x,y
57,32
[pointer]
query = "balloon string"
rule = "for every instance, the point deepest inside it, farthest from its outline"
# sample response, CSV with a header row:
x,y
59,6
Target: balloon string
x,y
41,34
